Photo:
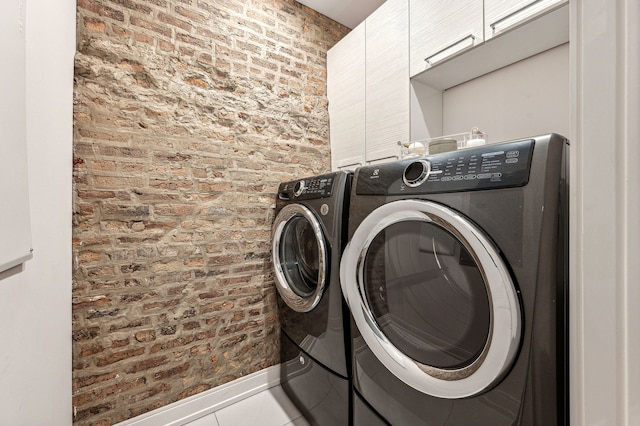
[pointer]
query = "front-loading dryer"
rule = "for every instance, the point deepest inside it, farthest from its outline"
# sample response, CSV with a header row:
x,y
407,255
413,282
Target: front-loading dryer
x,y
456,276
309,234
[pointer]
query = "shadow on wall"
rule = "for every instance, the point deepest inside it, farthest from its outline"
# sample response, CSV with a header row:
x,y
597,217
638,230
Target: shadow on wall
x,y
187,115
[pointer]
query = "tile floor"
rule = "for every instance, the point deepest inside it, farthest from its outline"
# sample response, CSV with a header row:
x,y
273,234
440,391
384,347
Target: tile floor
x,y
271,407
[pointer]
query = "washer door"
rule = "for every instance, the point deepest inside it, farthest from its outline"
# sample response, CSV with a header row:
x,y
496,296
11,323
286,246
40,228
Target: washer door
x,y
300,257
432,298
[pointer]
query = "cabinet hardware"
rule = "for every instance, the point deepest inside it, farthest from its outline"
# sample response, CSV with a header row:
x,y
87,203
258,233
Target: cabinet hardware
x,y
512,14
429,59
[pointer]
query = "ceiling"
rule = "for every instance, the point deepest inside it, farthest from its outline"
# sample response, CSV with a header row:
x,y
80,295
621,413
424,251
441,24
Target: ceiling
x,y
347,12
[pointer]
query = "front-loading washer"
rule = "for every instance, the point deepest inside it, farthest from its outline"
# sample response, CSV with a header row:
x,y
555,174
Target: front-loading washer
x,y
309,234
456,277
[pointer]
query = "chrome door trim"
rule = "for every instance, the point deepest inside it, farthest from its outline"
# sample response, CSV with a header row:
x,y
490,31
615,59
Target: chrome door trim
x,y
290,297
505,318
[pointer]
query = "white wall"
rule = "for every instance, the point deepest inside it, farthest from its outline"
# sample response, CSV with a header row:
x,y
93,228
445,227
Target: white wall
x,y
35,301
605,207
528,98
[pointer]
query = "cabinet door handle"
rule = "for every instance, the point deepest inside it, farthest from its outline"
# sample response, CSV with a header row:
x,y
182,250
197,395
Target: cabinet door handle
x,y
429,59
512,14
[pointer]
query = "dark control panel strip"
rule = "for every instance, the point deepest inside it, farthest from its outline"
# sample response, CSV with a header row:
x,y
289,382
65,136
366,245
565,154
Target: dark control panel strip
x,y
309,188
488,167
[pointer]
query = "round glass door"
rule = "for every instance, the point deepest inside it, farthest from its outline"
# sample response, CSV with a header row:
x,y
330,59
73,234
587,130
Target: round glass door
x,y
427,295
299,257
432,298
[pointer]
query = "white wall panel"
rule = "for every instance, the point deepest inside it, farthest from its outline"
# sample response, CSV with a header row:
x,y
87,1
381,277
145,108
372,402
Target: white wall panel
x,y
35,300
528,98
605,206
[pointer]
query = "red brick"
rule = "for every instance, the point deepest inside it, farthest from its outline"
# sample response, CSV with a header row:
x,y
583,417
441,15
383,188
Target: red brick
x,y
120,343
145,335
147,364
159,388
143,38
217,306
143,23
174,21
212,294
194,41
180,341
191,15
166,46
119,356
91,349
100,9
94,24
111,182
162,375
121,32
119,388
84,381
174,209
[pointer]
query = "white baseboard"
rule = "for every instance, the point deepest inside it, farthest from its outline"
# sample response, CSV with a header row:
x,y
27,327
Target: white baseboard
x,y
207,402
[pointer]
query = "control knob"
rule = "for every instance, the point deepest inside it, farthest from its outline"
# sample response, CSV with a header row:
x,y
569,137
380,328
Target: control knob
x,y
299,188
416,173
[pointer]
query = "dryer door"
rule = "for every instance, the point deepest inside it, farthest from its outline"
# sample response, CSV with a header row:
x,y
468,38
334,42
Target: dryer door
x,y
300,257
432,298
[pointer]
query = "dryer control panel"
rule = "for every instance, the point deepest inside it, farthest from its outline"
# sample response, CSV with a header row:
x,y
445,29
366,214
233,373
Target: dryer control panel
x,y
487,167
306,189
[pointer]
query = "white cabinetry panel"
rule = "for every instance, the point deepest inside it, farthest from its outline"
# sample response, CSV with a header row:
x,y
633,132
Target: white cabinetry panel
x,y
346,95
442,28
387,80
15,225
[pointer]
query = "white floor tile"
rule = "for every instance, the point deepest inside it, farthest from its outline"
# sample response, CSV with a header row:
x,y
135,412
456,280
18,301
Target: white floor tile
x,y
300,421
209,420
268,408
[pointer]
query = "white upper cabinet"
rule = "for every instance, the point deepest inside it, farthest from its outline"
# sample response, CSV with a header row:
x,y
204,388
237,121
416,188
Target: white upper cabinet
x,y
513,30
502,15
368,88
387,80
15,224
440,29
346,95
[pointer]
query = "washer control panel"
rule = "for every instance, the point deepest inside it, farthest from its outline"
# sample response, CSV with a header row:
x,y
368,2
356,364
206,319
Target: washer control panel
x,y
487,167
305,189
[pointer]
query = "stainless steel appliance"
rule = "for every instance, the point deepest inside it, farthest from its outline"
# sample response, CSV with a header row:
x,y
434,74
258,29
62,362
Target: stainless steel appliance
x,y
308,238
456,276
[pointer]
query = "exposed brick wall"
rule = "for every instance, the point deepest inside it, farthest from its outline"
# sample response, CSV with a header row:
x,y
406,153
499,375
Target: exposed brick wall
x,y
188,113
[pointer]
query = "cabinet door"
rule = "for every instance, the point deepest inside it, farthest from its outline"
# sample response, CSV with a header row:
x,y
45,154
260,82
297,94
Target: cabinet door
x,y
441,28
15,224
501,15
346,95
387,80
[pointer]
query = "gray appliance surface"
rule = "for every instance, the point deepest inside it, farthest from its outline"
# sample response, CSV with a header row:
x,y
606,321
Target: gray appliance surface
x,y
363,414
516,194
315,343
321,395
